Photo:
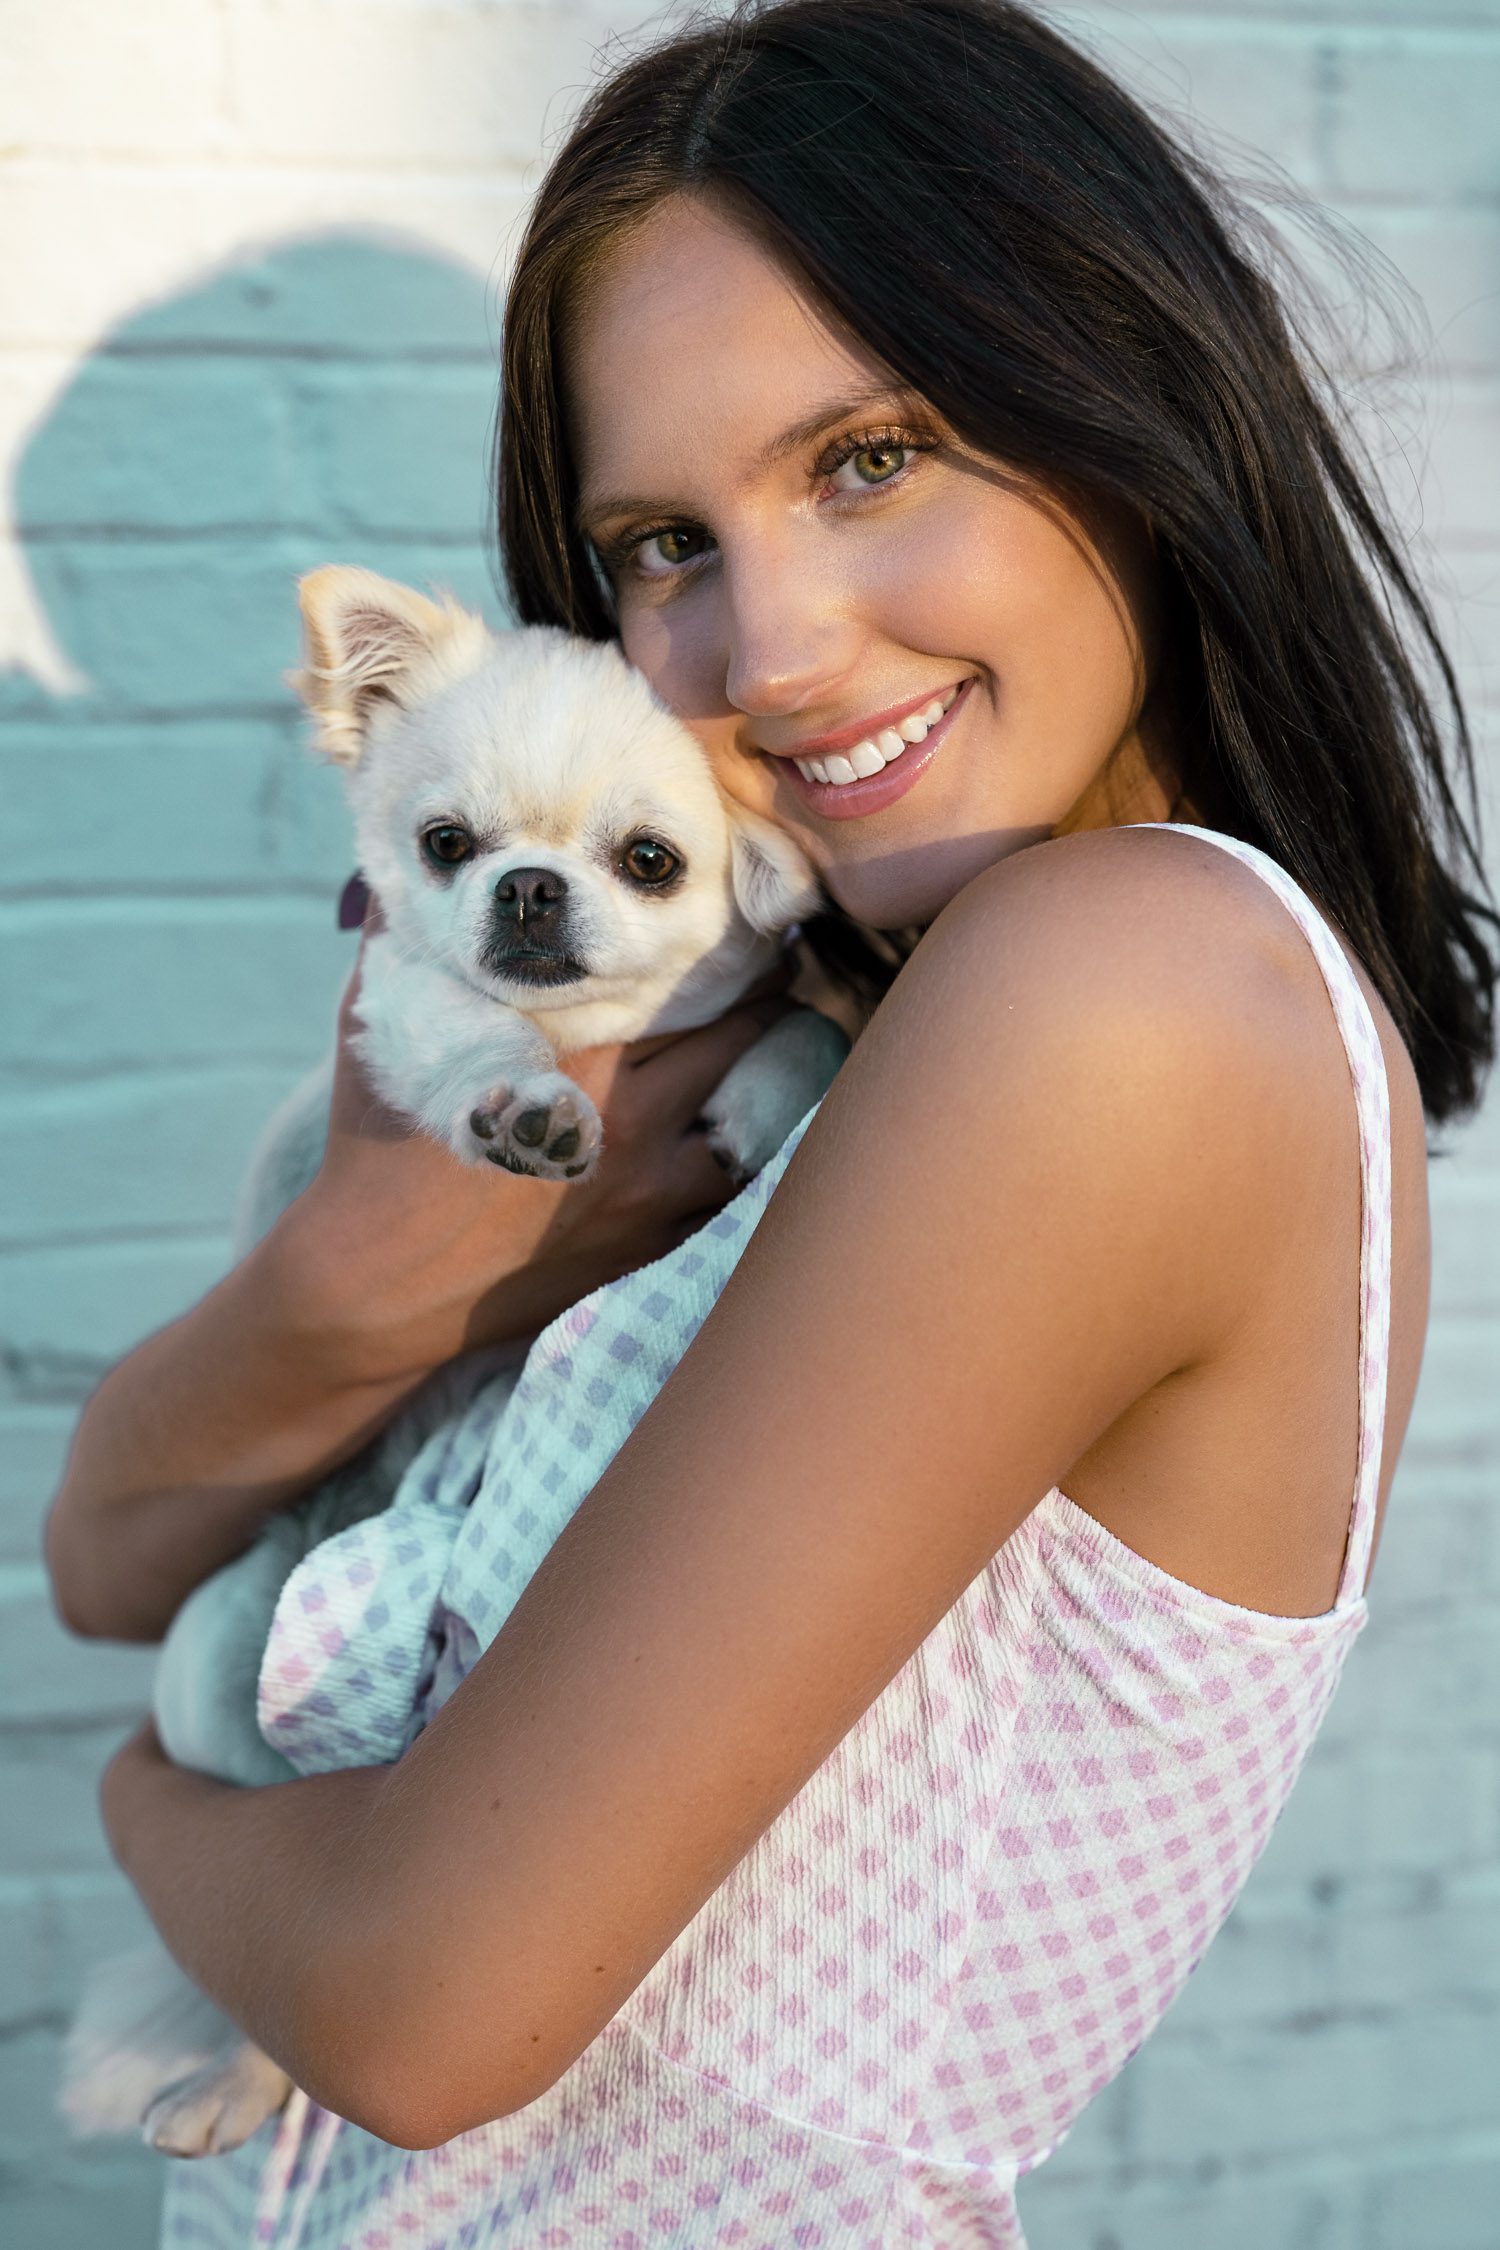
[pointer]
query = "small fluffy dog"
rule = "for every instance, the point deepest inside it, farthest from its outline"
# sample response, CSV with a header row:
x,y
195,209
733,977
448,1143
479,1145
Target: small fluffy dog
x,y
557,868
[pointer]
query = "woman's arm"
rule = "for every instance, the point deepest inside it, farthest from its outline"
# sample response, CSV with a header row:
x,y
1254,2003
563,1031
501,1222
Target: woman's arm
x,y
395,1260
1041,1186
186,1447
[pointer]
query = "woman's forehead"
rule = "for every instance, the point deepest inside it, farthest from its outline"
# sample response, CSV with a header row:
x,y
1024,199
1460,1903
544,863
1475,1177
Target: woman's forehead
x,y
692,347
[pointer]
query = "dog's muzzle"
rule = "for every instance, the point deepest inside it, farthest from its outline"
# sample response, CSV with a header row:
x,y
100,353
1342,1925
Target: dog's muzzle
x,y
529,941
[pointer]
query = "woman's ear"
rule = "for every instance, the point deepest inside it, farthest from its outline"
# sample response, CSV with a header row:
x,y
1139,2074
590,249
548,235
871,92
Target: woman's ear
x,y
774,880
364,638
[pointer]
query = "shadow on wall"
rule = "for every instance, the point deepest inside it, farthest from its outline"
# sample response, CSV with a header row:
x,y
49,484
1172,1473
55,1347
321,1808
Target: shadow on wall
x,y
172,853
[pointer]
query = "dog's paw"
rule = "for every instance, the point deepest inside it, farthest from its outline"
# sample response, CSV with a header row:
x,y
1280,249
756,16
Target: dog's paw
x,y
543,1126
218,2107
770,1089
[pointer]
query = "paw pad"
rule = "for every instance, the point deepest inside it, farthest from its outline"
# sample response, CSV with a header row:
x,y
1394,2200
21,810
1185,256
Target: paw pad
x,y
546,1129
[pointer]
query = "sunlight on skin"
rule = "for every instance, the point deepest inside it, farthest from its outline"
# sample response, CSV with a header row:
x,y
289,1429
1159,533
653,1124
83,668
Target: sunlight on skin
x,y
782,594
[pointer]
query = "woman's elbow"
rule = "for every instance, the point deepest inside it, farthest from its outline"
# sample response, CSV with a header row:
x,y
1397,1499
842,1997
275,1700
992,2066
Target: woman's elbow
x,y
412,2105
418,2085
76,1593
86,1596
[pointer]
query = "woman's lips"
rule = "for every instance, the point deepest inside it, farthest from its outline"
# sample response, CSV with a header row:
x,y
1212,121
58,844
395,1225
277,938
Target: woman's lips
x,y
851,800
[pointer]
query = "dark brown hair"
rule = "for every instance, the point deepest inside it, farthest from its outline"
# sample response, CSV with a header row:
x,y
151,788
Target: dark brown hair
x,y
1007,230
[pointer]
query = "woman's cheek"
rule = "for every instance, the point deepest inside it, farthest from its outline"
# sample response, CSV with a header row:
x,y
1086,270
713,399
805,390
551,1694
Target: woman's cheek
x,y
675,655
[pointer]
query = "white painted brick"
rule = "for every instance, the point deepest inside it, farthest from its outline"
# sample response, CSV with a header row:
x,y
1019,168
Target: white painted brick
x,y
1447,2205
84,1306
46,1674
1456,15
1441,1539
30,2127
151,1151
1261,1970
400,452
1448,1950
54,1774
1457,1411
53,1928
97,2206
1364,1809
204,446
286,216
1466,1229
1284,1957
1422,1679
1415,114
1318,14
241,256
196,804
207,622
123,983
1318,2090
1450,256
1241,92
435,86
1462,474
33,1447
1243,2214
82,76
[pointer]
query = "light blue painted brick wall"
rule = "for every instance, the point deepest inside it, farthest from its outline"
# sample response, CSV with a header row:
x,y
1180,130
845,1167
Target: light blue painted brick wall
x,y
313,379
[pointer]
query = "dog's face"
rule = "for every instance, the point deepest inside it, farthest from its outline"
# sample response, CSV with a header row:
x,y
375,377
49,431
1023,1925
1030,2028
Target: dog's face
x,y
529,815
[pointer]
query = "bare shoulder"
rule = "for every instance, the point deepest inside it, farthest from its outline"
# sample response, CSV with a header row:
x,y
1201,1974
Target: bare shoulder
x,y
1151,909
1138,957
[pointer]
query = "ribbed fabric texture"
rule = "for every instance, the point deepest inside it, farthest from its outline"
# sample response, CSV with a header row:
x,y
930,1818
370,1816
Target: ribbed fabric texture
x,y
956,1934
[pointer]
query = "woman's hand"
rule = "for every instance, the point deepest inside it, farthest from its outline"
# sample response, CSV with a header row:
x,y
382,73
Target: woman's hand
x,y
411,1257
396,1259
127,1778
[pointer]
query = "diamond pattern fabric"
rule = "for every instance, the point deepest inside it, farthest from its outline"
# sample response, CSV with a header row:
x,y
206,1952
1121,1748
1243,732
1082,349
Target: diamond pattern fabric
x,y
957,1933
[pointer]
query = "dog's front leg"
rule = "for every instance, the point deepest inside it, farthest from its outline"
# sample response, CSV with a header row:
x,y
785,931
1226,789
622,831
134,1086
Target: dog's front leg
x,y
473,1073
772,1086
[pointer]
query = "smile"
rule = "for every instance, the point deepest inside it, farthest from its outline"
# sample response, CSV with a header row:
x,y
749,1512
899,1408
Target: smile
x,y
873,772
872,756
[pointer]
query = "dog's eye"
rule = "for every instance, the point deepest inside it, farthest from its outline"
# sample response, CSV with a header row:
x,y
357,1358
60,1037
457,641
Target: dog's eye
x,y
446,845
650,862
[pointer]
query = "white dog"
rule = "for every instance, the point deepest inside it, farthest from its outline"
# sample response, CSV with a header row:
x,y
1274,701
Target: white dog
x,y
557,869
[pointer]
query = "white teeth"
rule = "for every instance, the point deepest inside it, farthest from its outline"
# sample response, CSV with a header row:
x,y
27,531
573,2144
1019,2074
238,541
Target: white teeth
x,y
868,758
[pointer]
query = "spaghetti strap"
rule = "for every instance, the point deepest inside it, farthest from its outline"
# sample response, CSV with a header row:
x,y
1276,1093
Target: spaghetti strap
x,y
1372,1107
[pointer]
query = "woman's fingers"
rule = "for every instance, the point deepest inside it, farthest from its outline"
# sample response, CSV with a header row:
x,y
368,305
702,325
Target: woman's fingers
x,y
679,1073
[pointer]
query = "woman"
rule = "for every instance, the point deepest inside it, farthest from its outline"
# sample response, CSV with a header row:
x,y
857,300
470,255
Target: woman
x,y
892,1726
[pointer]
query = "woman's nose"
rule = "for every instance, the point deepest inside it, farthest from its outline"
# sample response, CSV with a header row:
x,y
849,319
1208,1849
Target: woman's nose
x,y
788,646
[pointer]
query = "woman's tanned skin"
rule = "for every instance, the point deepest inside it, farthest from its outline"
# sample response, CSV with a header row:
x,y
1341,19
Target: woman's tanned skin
x,y
1082,1208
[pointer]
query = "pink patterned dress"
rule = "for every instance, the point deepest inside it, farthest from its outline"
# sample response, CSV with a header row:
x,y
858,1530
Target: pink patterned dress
x,y
946,1945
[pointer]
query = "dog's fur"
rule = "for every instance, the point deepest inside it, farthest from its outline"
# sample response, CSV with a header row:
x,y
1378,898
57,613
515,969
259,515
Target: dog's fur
x,y
554,759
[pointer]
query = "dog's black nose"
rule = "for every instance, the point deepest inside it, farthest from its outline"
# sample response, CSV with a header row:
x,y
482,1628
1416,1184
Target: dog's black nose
x,y
530,895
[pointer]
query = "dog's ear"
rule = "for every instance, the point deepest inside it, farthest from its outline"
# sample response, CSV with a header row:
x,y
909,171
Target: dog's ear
x,y
774,880
363,637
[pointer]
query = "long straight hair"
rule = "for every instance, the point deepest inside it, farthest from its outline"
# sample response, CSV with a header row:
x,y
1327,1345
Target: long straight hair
x,y
1006,229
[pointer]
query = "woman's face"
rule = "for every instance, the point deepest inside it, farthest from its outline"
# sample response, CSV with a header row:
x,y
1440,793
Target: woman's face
x,y
809,567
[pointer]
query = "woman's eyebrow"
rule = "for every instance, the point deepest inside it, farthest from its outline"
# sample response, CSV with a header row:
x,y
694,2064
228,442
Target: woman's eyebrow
x,y
790,440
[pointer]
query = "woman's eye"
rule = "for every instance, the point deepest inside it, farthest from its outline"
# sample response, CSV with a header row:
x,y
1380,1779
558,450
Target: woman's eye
x,y
873,464
447,845
662,552
649,862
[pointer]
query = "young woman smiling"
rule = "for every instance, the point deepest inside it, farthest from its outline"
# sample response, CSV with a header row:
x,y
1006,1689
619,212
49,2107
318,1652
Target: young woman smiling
x,y
959,1544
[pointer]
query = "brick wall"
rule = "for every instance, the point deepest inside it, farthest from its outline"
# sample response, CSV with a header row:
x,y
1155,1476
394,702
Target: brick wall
x,y
249,326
